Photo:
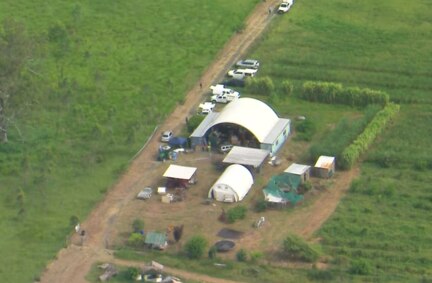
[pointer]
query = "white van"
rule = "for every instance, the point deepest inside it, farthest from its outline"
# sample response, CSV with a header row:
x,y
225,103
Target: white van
x,y
241,74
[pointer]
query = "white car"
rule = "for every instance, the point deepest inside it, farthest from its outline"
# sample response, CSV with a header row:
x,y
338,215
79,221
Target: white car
x,y
206,107
166,136
248,63
285,6
241,74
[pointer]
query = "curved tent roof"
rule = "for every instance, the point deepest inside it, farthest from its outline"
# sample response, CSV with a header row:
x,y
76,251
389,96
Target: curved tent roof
x,y
252,114
233,184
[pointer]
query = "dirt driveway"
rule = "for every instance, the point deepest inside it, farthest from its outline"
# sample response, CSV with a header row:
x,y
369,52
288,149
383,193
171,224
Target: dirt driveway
x,y
73,263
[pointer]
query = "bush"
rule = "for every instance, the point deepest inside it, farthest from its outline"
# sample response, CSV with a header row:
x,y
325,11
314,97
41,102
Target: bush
x,y
360,267
242,255
137,225
262,85
255,256
296,248
261,205
287,88
193,122
132,273
236,213
136,240
320,275
212,252
305,130
195,247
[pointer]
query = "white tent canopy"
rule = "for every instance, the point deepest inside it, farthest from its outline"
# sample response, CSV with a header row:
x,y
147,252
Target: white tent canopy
x,y
232,185
180,172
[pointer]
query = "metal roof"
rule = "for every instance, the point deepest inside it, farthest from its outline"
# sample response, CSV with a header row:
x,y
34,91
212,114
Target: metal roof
x,y
276,130
179,172
297,169
155,238
246,156
325,162
206,124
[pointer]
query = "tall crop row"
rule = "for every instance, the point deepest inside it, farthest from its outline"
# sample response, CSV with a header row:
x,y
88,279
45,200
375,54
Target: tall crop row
x,y
335,93
365,139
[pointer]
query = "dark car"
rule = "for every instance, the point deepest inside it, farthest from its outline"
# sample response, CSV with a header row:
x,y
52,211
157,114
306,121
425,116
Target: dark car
x,y
234,82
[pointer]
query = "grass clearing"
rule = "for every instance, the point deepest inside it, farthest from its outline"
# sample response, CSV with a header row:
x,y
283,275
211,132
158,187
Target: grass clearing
x,y
122,68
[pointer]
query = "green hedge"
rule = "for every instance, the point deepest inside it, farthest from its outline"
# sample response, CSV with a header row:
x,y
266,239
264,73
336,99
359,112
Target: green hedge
x,y
365,139
328,92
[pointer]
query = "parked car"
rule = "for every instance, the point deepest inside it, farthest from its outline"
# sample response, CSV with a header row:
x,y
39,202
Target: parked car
x,y
241,74
224,98
166,136
206,107
234,82
248,64
285,6
221,89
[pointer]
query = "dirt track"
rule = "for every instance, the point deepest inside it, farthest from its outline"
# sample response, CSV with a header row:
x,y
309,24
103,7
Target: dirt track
x,y
74,262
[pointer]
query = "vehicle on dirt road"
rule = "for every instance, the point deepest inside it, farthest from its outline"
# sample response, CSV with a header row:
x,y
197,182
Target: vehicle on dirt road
x,y
166,136
206,108
285,6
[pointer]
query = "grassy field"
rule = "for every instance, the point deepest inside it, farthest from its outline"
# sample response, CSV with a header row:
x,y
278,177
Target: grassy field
x,y
105,75
380,232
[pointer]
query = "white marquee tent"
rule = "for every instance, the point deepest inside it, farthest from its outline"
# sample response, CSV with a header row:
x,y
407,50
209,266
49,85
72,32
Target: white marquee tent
x,y
232,185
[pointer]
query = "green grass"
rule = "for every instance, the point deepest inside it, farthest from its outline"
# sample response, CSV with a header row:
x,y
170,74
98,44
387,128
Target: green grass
x,y
383,222
90,109
239,271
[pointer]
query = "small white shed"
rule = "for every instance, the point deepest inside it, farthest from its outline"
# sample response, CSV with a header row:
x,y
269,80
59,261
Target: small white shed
x,y
232,185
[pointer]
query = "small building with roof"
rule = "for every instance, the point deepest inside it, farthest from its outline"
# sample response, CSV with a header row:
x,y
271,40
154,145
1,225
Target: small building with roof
x,y
325,167
233,185
251,158
180,176
246,122
156,240
299,171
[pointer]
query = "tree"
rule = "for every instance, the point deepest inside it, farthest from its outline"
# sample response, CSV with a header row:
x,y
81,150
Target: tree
x,y
296,248
15,51
137,225
195,247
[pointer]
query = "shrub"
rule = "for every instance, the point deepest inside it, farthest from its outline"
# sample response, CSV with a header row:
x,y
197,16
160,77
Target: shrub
x,y
360,267
193,122
136,240
320,275
305,130
137,225
73,220
132,273
287,87
261,205
262,85
212,252
295,247
236,213
255,256
195,247
242,255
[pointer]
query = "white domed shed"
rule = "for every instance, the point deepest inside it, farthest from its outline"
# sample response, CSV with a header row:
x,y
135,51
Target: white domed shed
x,y
250,113
233,185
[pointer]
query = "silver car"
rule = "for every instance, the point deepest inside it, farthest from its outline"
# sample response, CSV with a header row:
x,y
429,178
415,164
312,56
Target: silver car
x,y
248,63
166,136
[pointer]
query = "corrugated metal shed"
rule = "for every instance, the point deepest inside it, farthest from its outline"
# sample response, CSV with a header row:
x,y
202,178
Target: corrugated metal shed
x,y
277,130
180,172
246,156
325,162
297,169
